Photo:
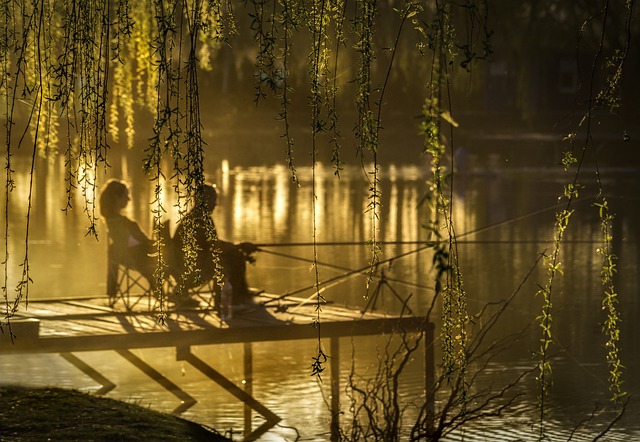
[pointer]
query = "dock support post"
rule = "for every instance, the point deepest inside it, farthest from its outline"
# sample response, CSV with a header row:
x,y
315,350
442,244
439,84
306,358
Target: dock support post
x,y
186,400
107,385
248,384
335,388
184,354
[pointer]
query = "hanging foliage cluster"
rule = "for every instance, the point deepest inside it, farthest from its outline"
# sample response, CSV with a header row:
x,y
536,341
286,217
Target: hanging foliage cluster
x,y
608,60
71,71
74,73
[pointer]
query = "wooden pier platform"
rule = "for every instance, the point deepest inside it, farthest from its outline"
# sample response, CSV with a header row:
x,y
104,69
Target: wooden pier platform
x,y
75,325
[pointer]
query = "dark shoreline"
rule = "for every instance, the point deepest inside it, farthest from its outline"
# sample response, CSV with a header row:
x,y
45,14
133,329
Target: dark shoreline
x,y
51,413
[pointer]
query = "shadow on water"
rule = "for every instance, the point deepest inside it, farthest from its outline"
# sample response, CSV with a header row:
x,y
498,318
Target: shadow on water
x,y
504,220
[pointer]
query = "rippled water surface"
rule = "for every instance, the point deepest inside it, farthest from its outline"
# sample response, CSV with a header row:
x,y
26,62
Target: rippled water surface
x,y
503,219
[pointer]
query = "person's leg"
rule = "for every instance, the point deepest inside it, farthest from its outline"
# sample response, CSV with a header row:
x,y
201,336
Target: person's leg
x,y
143,263
235,268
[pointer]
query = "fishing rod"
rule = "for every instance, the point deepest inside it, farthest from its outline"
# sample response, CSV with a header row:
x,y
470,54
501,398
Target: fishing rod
x,y
424,245
348,274
427,243
431,243
341,268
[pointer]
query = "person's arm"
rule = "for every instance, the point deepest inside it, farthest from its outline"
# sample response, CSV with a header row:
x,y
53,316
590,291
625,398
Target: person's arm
x,y
137,234
248,249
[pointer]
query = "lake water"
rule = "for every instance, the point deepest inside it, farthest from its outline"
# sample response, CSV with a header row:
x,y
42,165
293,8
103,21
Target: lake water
x,y
503,217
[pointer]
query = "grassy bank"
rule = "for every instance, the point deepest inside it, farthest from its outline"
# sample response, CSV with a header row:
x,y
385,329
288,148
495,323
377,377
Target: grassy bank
x,y
37,414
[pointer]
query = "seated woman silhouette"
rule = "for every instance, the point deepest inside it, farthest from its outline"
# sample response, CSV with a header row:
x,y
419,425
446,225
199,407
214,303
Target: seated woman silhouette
x,y
198,255
128,244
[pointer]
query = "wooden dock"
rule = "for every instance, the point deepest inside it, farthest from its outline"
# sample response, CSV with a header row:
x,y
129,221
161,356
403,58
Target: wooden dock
x,y
71,326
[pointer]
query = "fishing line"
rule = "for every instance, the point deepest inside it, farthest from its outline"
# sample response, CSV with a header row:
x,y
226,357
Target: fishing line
x,y
426,245
432,243
521,217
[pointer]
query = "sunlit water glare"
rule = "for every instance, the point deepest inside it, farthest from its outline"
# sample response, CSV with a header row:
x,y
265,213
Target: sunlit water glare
x,y
503,220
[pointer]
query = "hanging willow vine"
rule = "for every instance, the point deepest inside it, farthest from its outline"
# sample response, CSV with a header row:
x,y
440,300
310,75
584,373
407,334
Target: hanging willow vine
x,y
448,284
609,98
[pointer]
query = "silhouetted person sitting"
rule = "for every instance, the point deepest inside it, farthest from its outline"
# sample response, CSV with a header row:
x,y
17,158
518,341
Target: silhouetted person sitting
x,y
196,252
128,244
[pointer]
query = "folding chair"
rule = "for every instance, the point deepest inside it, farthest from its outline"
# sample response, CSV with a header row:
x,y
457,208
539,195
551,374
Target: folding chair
x,y
210,293
126,284
207,295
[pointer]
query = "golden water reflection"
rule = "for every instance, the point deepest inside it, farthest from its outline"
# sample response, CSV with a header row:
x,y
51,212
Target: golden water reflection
x,y
503,222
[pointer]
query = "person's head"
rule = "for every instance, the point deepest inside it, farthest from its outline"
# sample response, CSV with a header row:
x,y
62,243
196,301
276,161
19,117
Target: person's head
x,y
208,197
114,196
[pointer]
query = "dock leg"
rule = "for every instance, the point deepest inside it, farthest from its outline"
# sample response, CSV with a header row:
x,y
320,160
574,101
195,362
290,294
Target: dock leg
x,y
335,388
184,354
187,401
248,384
107,385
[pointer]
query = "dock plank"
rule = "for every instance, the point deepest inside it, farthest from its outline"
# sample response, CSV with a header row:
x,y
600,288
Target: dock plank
x,y
89,324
